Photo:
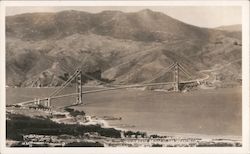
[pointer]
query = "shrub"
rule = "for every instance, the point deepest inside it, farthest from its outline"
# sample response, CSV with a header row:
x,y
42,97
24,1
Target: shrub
x,y
19,125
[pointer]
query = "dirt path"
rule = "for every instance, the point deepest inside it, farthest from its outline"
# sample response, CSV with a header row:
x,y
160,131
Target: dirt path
x,y
208,73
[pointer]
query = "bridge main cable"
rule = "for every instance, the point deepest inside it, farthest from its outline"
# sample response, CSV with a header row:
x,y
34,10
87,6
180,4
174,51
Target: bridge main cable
x,y
64,85
160,73
109,89
184,71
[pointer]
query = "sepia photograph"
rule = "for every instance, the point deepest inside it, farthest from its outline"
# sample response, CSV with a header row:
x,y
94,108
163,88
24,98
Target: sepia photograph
x,y
124,76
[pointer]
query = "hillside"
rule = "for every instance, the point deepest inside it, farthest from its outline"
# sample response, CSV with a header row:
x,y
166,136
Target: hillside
x,y
144,25
43,49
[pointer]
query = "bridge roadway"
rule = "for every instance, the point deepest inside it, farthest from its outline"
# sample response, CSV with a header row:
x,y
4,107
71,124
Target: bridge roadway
x,y
108,89
54,96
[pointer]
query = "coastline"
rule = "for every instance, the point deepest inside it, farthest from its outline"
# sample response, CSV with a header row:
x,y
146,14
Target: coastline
x,y
106,124
126,137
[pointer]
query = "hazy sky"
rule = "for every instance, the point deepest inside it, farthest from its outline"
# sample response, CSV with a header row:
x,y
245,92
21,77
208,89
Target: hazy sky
x,y
203,16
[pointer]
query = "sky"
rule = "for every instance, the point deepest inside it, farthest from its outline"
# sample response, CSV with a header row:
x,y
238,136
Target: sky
x,y
202,16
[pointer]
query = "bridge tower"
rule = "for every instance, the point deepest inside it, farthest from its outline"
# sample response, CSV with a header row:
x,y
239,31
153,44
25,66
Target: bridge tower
x,y
176,77
47,102
79,87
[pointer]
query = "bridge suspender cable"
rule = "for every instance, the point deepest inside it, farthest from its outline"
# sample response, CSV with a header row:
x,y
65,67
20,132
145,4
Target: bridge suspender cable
x,y
185,72
115,88
160,73
78,73
65,84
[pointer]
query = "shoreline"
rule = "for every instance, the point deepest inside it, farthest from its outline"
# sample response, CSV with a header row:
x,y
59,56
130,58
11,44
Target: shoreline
x,y
101,111
150,138
106,124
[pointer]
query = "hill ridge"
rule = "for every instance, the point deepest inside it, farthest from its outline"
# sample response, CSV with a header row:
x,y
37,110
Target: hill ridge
x,y
145,41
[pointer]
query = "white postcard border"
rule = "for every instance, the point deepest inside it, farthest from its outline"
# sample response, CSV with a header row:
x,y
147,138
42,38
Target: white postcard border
x,y
245,77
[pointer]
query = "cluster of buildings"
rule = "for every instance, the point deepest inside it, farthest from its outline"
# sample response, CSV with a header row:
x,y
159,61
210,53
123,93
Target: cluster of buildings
x,y
132,139
169,141
125,141
41,140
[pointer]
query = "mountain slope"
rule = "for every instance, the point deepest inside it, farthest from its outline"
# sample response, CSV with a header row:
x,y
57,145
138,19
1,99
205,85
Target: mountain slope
x,y
144,25
42,49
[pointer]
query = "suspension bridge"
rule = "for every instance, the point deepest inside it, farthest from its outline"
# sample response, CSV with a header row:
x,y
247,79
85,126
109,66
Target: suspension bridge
x,y
174,68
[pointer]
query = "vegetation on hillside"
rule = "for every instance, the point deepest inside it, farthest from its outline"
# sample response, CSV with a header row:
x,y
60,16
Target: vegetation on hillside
x,y
19,125
130,48
74,113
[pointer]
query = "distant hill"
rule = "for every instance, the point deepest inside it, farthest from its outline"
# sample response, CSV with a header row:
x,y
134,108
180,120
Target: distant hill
x,y
42,49
144,25
231,28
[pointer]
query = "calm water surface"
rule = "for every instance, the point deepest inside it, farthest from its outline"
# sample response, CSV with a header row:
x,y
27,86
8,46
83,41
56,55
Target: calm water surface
x,y
210,112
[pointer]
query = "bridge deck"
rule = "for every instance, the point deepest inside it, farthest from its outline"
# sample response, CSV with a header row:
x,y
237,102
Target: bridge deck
x,y
115,87
100,90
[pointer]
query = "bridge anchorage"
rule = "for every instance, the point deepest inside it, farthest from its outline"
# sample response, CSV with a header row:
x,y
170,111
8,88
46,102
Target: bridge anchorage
x,y
175,68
